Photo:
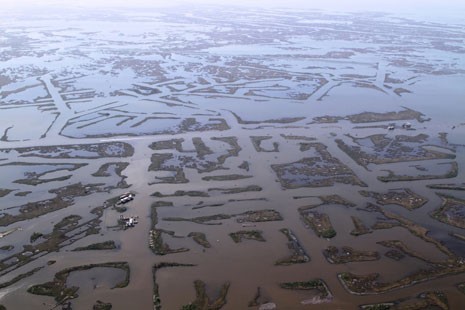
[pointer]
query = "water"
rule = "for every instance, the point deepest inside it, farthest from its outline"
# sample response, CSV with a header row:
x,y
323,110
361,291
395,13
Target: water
x,y
77,79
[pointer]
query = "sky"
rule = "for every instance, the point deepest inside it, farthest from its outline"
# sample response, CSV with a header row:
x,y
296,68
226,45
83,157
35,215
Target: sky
x,y
430,9
317,4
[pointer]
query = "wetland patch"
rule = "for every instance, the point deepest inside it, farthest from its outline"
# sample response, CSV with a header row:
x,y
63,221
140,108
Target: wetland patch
x,y
318,171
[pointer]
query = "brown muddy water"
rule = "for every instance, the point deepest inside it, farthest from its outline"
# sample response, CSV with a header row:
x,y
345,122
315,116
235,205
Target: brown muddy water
x,y
212,118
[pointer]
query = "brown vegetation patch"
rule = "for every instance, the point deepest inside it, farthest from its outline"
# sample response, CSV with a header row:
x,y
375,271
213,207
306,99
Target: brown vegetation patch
x,y
84,151
106,245
383,149
256,235
392,177
156,242
402,247
369,284
298,254
203,160
236,190
249,216
402,197
58,289
318,287
105,169
258,299
259,216
348,254
205,302
284,120
4,192
360,227
19,277
65,232
419,231
100,305
455,187
394,254
201,148
181,193
257,144
451,212
318,171
385,224
227,177
168,145
373,117
64,198
156,293
319,222
200,238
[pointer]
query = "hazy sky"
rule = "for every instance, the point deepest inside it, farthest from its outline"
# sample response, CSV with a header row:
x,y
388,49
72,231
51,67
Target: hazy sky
x,y
318,4
425,8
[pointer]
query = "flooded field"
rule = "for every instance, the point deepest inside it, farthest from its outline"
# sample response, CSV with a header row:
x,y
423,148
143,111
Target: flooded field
x,y
231,158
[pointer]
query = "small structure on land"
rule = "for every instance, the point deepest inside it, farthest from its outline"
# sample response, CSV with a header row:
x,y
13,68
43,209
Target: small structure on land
x,y
406,125
126,197
128,221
